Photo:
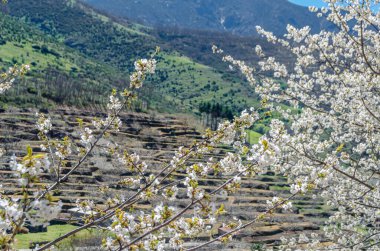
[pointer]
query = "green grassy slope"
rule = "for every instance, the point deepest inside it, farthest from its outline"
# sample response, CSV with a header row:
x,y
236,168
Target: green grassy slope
x,y
189,83
60,75
180,84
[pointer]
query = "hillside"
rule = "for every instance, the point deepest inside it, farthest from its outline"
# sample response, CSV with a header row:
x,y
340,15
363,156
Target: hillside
x,y
156,138
196,44
181,82
59,74
237,17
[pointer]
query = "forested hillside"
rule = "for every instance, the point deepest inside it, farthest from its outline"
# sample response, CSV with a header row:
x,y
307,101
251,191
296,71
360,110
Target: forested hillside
x,y
106,48
59,73
196,44
238,16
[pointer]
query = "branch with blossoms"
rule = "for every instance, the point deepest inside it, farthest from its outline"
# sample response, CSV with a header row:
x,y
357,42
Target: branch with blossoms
x,y
225,134
229,234
234,180
44,208
331,100
329,146
301,188
8,78
40,208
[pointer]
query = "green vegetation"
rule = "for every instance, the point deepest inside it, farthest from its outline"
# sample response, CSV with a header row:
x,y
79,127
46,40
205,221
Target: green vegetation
x,y
279,188
258,246
90,236
197,45
59,75
78,55
90,53
186,84
253,137
212,112
54,231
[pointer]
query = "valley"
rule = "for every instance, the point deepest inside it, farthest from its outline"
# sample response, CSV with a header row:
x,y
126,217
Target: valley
x,y
81,51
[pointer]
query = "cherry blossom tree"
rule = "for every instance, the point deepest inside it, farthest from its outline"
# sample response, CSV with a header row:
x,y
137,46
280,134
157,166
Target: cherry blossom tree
x,y
327,143
7,79
331,146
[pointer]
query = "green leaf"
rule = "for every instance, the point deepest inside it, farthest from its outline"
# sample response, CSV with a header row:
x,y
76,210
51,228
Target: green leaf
x,y
340,148
29,151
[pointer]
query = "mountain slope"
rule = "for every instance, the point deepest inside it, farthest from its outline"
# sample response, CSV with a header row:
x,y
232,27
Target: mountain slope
x,y
181,84
238,16
59,74
85,31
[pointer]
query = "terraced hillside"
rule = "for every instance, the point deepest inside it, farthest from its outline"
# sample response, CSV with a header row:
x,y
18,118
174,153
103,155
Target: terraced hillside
x,y
155,138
